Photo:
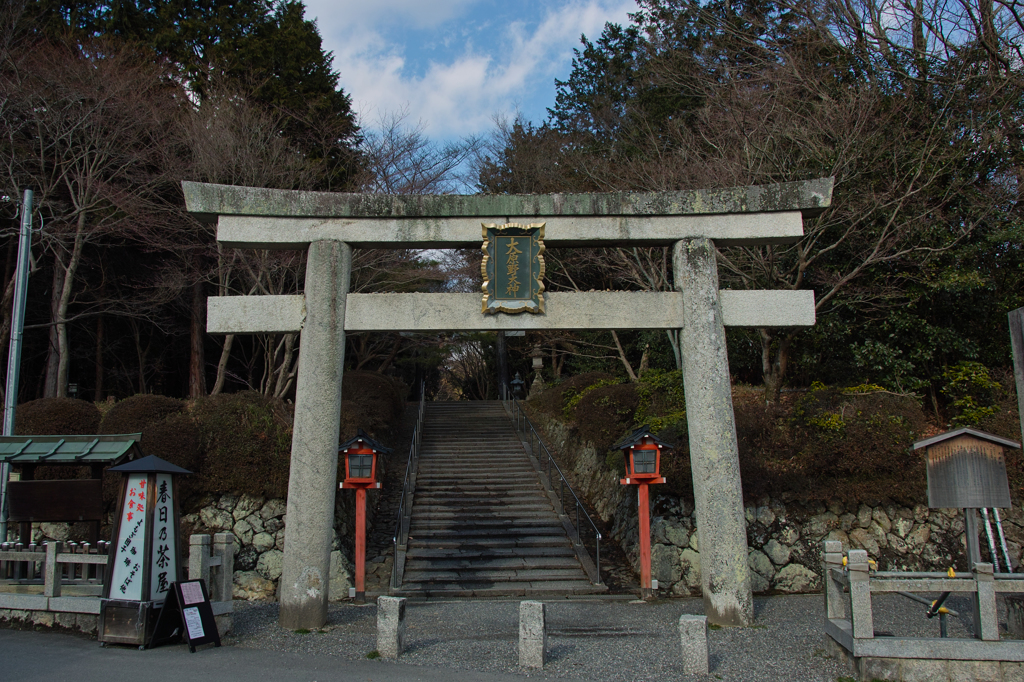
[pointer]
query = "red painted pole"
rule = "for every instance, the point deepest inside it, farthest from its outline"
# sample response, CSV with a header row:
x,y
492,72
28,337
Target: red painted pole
x,y
361,545
645,541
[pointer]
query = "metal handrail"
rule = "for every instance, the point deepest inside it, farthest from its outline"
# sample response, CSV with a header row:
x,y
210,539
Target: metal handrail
x,y
401,536
524,426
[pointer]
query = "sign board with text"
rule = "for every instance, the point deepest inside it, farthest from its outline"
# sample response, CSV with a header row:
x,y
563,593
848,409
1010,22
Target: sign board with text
x,y
513,268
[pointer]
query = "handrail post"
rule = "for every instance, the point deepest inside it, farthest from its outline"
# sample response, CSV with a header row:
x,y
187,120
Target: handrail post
x,y
860,594
834,607
986,623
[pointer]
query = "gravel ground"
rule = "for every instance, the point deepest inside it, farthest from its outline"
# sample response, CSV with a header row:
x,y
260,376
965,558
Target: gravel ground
x,y
596,639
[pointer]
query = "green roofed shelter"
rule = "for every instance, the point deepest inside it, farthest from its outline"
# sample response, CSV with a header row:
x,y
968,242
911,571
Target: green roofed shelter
x,y
71,450
32,501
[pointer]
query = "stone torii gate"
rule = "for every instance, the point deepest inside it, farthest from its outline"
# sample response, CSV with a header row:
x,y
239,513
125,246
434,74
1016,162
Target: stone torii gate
x,y
329,225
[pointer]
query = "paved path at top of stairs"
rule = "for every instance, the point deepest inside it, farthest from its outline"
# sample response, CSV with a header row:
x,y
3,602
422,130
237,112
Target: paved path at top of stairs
x,y
482,524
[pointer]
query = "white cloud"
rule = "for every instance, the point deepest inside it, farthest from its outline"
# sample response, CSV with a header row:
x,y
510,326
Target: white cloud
x,y
503,67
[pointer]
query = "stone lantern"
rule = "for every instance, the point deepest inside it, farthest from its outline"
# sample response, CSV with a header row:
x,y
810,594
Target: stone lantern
x,y
517,386
360,455
538,364
642,452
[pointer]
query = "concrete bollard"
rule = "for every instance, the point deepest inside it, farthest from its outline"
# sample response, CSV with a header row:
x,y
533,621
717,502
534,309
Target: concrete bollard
x,y
390,626
693,636
533,637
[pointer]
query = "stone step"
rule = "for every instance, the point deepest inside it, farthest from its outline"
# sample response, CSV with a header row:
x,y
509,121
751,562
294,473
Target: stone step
x,y
465,589
492,552
545,574
443,481
446,465
486,543
469,505
475,534
488,564
516,525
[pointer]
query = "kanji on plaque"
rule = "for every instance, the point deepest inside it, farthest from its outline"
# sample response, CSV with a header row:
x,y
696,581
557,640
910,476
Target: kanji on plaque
x,y
164,569
126,577
513,268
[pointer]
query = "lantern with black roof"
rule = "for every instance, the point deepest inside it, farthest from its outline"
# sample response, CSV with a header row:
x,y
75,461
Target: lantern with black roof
x,y
144,560
642,452
360,455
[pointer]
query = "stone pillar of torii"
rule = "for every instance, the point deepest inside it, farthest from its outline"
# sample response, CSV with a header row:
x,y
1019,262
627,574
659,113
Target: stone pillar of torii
x,y
330,225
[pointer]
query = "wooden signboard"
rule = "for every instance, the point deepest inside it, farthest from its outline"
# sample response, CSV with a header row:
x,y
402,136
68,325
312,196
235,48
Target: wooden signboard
x,y
187,614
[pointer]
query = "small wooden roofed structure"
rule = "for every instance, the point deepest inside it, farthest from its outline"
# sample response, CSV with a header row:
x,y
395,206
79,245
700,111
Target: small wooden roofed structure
x,y
72,500
967,469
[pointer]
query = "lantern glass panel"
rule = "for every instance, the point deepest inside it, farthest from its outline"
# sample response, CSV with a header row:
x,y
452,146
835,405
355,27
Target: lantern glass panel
x,y
644,461
360,466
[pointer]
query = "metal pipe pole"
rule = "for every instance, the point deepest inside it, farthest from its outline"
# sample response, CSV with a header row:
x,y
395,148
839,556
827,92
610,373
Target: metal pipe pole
x,y
991,541
14,354
1002,540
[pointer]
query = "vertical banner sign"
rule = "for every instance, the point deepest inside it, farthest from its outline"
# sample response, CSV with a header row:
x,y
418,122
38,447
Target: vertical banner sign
x,y
513,268
126,579
164,568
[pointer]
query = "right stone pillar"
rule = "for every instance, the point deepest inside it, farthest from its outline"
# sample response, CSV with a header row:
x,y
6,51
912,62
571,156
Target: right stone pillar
x,y
714,454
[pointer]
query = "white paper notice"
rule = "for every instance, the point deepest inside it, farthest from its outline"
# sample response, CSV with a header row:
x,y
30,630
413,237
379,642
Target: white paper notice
x,y
192,593
194,622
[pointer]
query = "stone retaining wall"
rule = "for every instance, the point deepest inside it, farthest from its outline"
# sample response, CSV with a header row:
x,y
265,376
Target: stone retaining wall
x,y
259,526
784,537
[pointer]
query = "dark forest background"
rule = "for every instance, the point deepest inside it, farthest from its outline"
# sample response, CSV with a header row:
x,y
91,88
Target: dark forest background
x,y
915,108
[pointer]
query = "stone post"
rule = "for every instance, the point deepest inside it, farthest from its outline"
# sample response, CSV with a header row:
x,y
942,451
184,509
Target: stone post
x,y
222,586
714,454
199,557
390,626
52,570
693,636
312,479
986,616
860,594
533,636
834,597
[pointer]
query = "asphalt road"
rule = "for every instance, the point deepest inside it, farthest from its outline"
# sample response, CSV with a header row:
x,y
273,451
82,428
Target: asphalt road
x,y
472,640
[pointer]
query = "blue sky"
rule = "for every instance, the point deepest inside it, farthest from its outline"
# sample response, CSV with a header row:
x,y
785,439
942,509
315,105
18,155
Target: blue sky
x,y
452,65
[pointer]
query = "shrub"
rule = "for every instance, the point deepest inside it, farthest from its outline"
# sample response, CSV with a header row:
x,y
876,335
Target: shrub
x,y
371,402
56,417
605,413
554,398
134,414
972,391
246,440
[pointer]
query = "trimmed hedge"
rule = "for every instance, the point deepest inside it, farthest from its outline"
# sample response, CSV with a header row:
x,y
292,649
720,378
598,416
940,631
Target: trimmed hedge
x,y
56,417
246,443
134,414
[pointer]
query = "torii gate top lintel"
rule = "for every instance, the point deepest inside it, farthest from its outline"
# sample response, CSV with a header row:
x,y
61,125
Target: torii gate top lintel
x,y
254,217
208,201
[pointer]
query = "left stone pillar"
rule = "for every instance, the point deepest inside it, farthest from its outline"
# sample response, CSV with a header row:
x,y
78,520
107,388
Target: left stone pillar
x,y
312,479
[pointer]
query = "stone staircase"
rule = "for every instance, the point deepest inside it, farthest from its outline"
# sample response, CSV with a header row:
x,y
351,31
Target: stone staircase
x,y
482,523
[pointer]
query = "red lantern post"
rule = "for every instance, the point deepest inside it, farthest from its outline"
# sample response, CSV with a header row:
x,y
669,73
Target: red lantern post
x,y
642,453
360,455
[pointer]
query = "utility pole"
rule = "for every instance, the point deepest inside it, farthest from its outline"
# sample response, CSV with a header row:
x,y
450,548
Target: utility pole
x,y
14,355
